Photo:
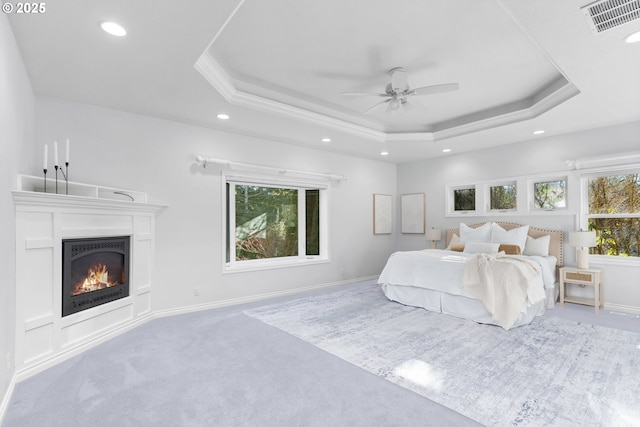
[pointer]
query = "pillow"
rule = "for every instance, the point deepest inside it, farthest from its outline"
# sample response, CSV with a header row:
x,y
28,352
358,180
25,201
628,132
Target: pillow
x,y
516,236
539,246
509,249
454,241
481,247
480,234
458,247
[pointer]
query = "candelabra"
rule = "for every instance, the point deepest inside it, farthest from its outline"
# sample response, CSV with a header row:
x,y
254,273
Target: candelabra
x,y
64,175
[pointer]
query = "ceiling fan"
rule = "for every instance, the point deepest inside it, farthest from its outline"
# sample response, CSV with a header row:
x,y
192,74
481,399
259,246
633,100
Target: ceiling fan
x,y
398,92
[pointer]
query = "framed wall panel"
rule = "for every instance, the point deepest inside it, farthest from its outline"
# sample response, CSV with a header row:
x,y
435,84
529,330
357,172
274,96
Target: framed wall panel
x,y
382,214
412,210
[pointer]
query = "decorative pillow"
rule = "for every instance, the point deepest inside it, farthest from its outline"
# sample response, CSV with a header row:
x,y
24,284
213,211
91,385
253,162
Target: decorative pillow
x,y
481,247
480,234
454,241
458,247
516,236
539,246
509,249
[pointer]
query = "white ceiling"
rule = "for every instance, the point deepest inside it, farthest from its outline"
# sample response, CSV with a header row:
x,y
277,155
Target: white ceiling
x,y
278,68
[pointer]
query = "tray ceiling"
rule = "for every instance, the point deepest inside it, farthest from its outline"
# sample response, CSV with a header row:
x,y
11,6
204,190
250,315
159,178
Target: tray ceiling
x,y
279,68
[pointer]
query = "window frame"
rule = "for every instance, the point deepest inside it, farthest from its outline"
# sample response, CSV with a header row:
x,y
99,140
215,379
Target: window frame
x,y
532,192
524,196
584,214
495,184
451,205
230,264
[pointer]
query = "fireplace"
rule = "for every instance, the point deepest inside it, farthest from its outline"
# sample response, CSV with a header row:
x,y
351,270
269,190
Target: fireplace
x,y
95,271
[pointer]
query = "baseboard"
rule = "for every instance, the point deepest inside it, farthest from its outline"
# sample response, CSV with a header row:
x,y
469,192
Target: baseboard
x,y
253,298
622,308
4,405
37,367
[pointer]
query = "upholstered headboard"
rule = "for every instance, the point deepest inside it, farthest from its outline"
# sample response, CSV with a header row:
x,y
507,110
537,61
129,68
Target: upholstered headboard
x,y
555,243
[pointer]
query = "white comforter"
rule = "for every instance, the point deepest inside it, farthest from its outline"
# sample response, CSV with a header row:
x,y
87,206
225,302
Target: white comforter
x,y
443,270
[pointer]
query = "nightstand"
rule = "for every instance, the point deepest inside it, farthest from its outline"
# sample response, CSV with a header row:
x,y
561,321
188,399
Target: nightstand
x,y
582,277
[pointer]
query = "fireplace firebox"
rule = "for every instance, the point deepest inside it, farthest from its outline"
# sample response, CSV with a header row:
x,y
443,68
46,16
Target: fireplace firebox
x,y
95,271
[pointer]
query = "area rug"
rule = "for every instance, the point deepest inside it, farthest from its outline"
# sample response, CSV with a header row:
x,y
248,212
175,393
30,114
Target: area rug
x,y
553,372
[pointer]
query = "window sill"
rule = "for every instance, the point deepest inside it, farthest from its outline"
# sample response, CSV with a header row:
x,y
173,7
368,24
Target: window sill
x,y
272,264
614,260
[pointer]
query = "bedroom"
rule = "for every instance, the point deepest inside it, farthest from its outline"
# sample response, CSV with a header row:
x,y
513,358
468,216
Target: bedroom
x,y
117,148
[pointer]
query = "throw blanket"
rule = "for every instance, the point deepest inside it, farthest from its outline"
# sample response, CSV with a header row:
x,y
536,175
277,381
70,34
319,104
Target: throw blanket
x,y
503,284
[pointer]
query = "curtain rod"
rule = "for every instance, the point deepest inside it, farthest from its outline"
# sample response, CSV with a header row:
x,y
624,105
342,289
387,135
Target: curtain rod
x,y
230,163
607,160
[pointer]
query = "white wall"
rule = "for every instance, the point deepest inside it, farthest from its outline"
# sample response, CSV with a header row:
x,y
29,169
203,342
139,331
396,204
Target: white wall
x,y
16,135
544,155
119,149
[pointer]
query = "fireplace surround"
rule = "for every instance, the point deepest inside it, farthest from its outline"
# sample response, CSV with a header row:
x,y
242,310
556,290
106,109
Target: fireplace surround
x,y
119,232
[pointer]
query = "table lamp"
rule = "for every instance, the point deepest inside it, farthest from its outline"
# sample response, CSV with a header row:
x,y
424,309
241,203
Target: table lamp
x,y
433,234
582,240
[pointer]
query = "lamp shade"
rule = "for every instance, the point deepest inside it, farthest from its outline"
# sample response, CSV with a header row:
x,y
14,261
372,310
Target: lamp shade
x,y
433,234
582,239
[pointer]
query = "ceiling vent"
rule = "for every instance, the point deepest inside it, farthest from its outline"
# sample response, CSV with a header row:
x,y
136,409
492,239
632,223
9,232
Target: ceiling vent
x,y
606,14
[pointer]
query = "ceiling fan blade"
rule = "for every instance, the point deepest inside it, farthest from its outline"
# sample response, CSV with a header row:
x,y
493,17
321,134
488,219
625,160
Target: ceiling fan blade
x,y
363,94
429,90
375,105
399,78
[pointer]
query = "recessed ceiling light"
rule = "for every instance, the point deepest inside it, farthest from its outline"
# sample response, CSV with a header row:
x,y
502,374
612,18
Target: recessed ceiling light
x,y
326,139
538,132
633,38
223,116
446,150
384,153
113,29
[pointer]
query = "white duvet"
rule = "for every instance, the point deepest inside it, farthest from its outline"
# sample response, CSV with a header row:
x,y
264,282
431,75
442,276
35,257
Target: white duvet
x,y
443,271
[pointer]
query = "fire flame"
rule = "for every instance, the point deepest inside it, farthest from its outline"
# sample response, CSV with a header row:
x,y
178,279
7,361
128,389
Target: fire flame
x,y
97,278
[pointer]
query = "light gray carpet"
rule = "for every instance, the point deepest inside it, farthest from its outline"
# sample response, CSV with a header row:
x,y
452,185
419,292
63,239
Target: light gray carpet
x,y
215,368
554,372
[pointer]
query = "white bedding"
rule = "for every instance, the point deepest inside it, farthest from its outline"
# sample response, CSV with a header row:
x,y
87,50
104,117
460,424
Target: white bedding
x,y
441,273
504,284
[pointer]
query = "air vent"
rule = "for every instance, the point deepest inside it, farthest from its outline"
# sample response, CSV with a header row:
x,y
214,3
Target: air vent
x,y
604,15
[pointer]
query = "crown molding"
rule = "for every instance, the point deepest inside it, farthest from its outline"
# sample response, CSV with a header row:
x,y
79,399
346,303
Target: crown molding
x,y
549,97
220,80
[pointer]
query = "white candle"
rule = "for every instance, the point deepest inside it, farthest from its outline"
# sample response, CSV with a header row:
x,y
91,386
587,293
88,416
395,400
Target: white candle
x,y
55,153
46,154
67,152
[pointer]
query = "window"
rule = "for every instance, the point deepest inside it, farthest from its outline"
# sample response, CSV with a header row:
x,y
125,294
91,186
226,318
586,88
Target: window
x,y
542,195
502,197
613,211
272,223
550,195
464,199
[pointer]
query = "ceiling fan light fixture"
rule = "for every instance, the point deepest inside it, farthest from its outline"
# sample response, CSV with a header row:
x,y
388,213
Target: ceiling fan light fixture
x,y
398,92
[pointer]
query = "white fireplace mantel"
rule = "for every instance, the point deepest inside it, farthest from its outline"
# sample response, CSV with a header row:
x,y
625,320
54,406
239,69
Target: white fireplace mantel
x,y
43,220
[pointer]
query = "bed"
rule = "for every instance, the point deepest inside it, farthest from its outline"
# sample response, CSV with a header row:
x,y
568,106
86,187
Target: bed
x,y
442,280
